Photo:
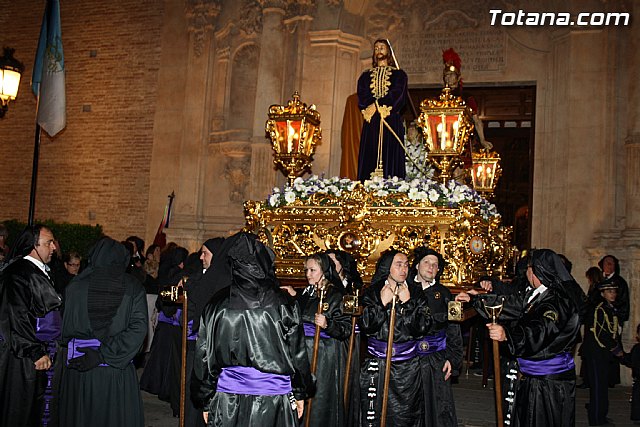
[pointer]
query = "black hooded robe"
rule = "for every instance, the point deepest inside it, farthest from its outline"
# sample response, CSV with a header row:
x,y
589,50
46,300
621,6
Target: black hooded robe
x,y
327,409
106,395
250,323
26,293
440,409
405,402
539,330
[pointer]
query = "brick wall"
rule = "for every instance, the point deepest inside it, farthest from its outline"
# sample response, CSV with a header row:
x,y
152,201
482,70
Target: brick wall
x,y
96,171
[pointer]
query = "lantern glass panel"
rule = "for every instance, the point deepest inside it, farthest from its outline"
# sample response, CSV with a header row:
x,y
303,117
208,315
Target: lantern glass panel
x,y
9,84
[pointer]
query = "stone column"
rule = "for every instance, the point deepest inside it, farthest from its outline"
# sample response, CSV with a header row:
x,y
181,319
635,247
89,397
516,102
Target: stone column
x,y
187,227
632,141
330,76
268,91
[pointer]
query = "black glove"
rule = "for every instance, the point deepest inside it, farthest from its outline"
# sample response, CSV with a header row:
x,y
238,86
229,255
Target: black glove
x,y
91,359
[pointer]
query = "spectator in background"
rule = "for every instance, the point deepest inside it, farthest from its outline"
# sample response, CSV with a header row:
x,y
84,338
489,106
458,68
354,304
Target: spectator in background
x,y
153,253
71,267
138,249
610,267
601,338
594,276
151,265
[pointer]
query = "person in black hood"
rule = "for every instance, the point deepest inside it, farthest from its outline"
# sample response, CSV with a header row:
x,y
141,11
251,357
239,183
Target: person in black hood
x,y
103,329
26,295
250,365
161,375
405,400
327,408
540,329
347,269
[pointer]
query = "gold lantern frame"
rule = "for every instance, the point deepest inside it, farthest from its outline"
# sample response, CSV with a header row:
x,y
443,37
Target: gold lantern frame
x,y
485,171
446,125
294,130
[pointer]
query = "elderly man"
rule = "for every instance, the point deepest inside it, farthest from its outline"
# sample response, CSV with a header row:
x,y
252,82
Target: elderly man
x,y
405,401
26,294
540,330
440,349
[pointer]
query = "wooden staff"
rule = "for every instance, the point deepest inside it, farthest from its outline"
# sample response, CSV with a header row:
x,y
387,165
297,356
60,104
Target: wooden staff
x,y
387,368
314,355
355,310
347,373
494,313
183,365
178,294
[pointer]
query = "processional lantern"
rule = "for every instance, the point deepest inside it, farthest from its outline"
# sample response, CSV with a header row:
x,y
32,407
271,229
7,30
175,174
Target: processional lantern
x,y
294,130
10,71
485,171
445,124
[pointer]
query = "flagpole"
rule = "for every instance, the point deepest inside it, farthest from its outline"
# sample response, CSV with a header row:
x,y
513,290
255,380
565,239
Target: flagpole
x,y
34,174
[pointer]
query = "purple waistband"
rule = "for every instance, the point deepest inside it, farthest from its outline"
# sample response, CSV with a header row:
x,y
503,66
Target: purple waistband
x,y
432,343
72,348
48,327
191,334
248,380
173,320
310,331
558,364
400,351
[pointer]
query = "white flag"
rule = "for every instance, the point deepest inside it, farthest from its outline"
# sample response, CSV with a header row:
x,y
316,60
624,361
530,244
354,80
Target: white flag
x,y
47,80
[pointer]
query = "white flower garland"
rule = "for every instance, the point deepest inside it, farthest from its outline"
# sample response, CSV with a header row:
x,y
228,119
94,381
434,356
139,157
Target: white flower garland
x,y
450,195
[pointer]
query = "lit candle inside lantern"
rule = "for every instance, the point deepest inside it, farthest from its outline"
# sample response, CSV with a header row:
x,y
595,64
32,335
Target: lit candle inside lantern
x,y
290,135
455,127
441,135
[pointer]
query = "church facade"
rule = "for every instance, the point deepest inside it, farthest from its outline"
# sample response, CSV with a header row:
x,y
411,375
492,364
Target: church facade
x,y
172,95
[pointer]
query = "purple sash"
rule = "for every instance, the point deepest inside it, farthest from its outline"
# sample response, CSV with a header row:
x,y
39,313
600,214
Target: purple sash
x,y
558,364
191,334
173,320
432,343
310,330
248,380
400,351
48,327
72,348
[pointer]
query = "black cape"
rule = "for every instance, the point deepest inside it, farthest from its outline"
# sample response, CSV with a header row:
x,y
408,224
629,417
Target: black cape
x,y
26,293
249,323
106,395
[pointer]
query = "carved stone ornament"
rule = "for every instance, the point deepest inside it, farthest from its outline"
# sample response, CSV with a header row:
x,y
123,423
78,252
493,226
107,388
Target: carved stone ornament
x,y
201,15
251,19
237,169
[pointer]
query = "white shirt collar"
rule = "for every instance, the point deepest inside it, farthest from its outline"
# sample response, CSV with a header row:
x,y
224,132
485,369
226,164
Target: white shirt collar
x,y
41,265
537,291
425,285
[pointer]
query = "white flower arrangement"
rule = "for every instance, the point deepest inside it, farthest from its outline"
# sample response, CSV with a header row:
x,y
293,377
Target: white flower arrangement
x,y
450,195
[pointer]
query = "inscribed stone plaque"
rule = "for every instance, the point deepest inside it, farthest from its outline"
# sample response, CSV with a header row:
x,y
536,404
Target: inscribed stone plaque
x,y
479,49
